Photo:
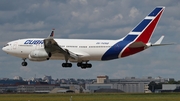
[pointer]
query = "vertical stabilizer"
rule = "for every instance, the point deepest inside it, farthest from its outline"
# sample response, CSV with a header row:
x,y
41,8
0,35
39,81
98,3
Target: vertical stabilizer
x,y
144,30
139,35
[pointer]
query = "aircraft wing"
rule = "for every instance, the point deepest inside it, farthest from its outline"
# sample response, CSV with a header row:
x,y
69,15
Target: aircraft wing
x,y
51,46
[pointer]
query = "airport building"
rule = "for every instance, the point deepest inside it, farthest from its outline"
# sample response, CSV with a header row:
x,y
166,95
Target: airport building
x,y
170,86
35,88
127,85
8,88
100,84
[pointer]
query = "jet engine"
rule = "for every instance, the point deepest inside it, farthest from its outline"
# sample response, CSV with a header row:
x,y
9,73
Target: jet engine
x,y
39,55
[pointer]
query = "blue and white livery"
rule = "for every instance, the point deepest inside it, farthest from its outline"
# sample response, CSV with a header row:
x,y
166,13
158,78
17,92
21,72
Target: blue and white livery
x,y
81,51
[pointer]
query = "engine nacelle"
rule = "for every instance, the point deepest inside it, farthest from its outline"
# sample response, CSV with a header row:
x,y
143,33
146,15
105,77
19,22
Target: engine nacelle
x,y
39,55
37,59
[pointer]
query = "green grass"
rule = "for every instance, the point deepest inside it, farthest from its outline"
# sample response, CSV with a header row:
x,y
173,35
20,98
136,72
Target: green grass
x,y
91,97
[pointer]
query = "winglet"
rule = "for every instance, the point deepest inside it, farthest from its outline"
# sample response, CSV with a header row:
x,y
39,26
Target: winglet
x,y
52,33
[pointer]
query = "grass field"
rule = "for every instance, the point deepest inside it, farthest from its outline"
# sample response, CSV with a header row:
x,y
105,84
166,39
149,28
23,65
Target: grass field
x,y
91,97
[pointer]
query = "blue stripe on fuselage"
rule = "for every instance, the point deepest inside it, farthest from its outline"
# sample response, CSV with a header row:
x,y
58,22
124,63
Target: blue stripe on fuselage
x,y
130,37
115,50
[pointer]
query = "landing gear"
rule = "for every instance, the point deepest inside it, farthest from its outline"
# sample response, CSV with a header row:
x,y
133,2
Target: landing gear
x,y
84,65
49,54
66,64
79,64
66,56
24,63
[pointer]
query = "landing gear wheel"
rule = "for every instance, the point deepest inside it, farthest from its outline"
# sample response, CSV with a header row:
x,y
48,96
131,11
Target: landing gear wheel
x,y
69,64
63,64
24,63
84,66
66,64
88,65
79,64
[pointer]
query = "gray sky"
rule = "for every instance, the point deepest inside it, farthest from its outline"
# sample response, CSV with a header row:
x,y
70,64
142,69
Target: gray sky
x,y
89,19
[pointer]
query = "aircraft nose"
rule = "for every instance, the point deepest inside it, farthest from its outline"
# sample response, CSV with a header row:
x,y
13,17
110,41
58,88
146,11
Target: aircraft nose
x,y
4,49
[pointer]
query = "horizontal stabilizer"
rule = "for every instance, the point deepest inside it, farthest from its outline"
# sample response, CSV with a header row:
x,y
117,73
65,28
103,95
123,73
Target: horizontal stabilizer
x,y
162,44
158,42
141,44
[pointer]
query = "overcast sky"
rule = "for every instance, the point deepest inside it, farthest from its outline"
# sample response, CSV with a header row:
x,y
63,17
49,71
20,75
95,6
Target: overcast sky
x,y
89,19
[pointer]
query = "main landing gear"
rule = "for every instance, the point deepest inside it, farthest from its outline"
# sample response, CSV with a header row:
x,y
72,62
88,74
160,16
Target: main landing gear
x,y
66,64
24,63
84,65
79,64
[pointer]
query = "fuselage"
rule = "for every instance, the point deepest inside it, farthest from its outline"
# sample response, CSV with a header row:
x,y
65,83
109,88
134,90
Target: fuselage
x,y
87,49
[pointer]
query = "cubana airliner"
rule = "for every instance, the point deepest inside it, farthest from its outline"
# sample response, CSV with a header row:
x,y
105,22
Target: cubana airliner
x,y
81,51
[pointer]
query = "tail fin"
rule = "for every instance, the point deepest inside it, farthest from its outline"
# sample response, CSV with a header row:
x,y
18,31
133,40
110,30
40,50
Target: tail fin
x,y
144,30
137,39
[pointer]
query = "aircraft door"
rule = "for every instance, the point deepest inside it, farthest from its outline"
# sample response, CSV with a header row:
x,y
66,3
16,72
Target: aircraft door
x,y
38,46
15,45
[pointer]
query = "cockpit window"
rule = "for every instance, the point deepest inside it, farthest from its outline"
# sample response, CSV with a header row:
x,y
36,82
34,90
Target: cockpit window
x,y
6,45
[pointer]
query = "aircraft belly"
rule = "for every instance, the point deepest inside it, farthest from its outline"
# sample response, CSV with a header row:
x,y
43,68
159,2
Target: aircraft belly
x,y
57,56
94,54
20,55
84,55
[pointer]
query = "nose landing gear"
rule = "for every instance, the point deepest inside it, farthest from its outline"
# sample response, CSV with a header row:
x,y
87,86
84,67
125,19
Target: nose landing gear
x,y
24,63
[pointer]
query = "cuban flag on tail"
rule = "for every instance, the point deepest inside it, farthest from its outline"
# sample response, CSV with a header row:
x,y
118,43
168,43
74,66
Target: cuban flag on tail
x,y
138,38
143,32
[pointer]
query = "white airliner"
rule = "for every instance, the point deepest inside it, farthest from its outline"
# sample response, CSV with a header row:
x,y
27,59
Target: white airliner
x,y
81,51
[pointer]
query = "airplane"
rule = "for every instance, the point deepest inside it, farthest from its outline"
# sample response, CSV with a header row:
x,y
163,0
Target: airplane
x,y
81,51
